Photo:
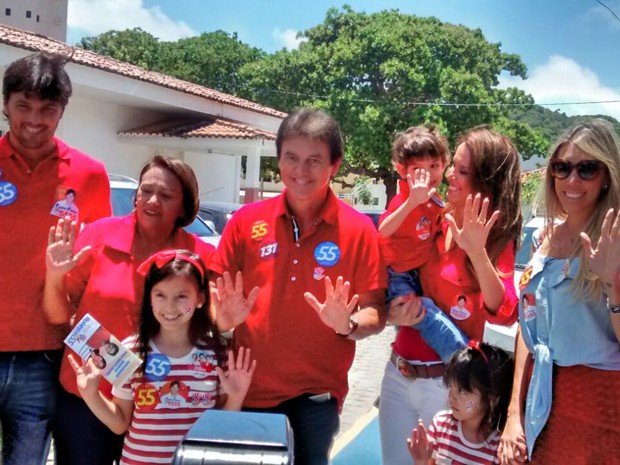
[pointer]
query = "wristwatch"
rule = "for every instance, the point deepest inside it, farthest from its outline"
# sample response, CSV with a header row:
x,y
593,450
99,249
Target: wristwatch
x,y
613,308
353,324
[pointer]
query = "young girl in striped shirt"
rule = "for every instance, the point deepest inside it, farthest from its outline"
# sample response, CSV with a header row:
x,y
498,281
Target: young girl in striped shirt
x,y
161,402
479,379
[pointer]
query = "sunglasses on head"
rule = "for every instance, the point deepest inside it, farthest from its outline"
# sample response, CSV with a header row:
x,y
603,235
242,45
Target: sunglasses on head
x,y
587,170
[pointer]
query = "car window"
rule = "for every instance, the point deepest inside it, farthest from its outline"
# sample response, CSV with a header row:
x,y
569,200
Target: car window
x,y
525,251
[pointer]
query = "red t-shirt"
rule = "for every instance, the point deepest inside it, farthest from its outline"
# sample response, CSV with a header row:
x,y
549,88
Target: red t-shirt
x,y
106,284
444,278
295,351
27,200
411,245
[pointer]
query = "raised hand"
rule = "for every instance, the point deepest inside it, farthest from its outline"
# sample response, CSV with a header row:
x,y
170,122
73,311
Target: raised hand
x,y
59,256
419,191
237,378
406,310
337,308
87,376
418,446
231,305
473,234
604,259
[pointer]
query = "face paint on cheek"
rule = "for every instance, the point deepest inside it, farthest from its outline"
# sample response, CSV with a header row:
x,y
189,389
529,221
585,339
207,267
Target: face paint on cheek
x,y
471,405
188,309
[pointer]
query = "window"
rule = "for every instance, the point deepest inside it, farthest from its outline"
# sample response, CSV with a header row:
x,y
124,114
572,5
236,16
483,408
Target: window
x,y
7,11
28,14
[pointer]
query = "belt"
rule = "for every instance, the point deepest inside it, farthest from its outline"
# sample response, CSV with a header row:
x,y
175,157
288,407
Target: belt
x,y
411,371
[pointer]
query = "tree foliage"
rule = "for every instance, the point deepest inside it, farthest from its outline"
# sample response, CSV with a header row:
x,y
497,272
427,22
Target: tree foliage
x,y
380,73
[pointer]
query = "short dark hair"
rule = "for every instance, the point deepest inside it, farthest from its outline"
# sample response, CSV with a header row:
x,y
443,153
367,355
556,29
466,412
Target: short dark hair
x,y
189,185
418,142
42,75
314,124
70,191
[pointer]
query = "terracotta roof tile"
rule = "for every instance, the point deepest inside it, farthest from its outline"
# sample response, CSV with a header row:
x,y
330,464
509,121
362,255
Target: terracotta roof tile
x,y
35,42
208,127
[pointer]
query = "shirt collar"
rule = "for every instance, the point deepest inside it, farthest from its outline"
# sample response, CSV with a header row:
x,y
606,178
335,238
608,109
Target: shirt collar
x,y
6,149
124,232
328,213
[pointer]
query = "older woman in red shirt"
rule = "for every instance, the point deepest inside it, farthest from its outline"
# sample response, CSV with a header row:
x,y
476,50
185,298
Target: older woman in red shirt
x,y
473,258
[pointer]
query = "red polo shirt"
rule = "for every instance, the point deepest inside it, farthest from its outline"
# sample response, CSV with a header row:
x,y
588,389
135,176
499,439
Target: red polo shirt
x,y
411,245
295,351
106,284
27,197
444,278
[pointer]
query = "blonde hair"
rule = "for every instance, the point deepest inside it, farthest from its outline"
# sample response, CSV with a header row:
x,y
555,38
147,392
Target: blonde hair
x,y
496,174
598,139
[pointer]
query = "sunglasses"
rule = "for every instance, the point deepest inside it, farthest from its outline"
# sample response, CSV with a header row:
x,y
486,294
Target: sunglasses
x,y
587,170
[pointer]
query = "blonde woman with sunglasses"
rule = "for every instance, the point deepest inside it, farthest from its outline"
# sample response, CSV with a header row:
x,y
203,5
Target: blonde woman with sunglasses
x,y
567,411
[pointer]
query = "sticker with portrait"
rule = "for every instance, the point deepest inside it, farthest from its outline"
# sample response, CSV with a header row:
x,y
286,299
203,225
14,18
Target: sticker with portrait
x,y
528,305
174,394
66,205
461,307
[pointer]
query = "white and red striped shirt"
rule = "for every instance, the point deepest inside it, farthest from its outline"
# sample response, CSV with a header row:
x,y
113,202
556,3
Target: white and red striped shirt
x,y
167,402
451,448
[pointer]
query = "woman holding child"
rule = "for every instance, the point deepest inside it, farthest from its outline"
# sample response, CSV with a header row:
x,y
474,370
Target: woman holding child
x,y
472,256
570,313
107,285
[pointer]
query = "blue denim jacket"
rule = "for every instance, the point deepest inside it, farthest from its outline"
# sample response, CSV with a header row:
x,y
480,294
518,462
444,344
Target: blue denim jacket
x,y
558,328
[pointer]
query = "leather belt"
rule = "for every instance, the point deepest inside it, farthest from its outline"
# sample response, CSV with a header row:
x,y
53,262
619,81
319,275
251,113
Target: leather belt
x,y
411,371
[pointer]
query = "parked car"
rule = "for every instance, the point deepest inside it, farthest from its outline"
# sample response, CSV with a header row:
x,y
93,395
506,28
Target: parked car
x,y
123,194
217,214
504,336
374,215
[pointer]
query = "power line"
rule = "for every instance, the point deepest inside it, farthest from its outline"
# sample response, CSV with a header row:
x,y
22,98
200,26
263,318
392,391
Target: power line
x,y
610,10
448,104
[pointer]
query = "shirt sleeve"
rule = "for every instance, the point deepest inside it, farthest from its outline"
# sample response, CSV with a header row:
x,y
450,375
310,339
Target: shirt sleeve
x,y
370,273
508,311
431,436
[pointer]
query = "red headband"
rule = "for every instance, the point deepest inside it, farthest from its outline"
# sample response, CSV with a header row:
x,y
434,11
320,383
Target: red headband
x,y
159,259
476,345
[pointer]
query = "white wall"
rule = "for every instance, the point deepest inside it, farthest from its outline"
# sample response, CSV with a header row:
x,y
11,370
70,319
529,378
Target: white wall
x,y
218,175
52,16
91,126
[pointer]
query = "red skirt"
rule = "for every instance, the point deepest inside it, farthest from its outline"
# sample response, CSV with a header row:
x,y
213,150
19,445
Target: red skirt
x,y
584,425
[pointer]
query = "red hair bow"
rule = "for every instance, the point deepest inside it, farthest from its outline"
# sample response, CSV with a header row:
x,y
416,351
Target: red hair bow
x,y
162,257
476,345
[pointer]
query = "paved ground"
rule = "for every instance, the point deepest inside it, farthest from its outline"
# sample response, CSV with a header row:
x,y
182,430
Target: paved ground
x,y
365,376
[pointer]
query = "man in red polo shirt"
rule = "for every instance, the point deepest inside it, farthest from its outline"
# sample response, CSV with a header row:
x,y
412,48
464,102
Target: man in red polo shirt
x,y
315,283
37,171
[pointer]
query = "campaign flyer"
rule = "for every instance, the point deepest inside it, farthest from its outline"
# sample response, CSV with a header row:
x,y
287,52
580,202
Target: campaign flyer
x,y
90,340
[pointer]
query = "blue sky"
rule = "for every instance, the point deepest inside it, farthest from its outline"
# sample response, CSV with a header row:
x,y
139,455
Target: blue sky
x,y
571,47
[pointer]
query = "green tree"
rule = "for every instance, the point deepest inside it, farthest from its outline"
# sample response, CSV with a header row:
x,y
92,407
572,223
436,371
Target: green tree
x,y
134,46
380,73
362,192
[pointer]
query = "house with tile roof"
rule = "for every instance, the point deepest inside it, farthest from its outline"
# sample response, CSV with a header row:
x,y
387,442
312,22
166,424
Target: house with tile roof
x,y
122,115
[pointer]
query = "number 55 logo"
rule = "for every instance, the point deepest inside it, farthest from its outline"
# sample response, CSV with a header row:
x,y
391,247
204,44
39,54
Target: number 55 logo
x,y
259,230
327,254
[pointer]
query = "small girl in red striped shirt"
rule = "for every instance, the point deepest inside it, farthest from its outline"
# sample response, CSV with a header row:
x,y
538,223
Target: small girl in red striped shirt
x,y
479,379
161,402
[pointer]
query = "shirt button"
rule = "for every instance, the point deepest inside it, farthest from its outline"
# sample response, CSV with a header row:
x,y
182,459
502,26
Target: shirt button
x,y
295,262
293,278
428,205
29,171
298,244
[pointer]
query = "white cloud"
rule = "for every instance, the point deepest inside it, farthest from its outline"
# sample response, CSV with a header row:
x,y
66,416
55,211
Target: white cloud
x,y
562,79
288,38
606,15
93,17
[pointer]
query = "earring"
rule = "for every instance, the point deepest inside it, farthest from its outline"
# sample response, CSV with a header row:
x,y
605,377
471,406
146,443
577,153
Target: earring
x,y
606,186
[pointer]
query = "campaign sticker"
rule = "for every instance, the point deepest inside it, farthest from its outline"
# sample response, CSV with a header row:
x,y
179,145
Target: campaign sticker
x,y
205,399
460,310
528,305
327,254
203,364
66,206
319,273
525,278
8,193
259,230
157,367
423,228
173,395
146,396
269,250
